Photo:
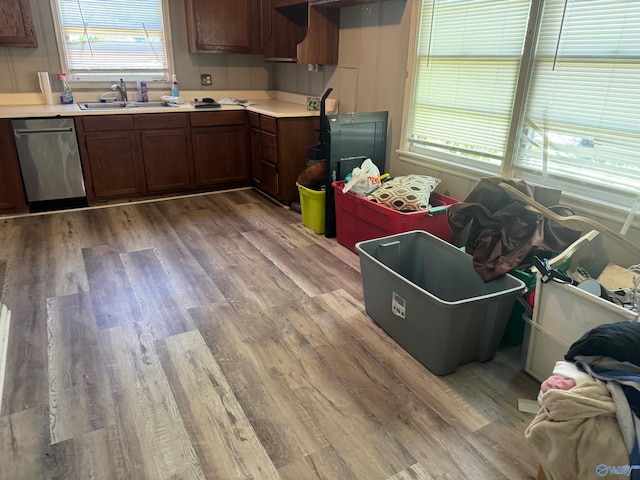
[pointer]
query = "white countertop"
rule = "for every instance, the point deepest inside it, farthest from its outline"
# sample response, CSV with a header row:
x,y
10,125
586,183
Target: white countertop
x,y
283,105
279,108
273,108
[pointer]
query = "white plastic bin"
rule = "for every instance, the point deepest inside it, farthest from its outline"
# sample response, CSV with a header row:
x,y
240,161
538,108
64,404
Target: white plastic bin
x,y
563,313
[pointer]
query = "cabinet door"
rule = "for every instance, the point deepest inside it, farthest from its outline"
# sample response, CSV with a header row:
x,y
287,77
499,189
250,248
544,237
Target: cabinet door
x,y
299,31
256,156
224,25
114,160
11,191
269,179
166,159
16,24
269,147
287,27
220,155
295,135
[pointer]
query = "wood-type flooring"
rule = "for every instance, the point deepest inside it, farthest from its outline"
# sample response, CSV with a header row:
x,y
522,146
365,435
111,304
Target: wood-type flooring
x,y
216,337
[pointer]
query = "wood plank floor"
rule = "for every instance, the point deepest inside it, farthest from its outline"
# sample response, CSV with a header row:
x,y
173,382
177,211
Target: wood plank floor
x,y
216,337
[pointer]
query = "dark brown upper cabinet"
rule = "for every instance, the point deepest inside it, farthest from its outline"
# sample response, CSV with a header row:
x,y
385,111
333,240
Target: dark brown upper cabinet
x,y
229,26
16,24
296,31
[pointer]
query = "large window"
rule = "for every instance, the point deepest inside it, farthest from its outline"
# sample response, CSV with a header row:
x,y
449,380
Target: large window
x,y
465,77
117,39
579,125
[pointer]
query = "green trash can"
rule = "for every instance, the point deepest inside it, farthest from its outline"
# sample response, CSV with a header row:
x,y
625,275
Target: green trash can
x,y
312,206
514,331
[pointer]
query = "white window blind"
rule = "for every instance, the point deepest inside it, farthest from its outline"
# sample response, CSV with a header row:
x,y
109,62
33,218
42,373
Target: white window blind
x,y
121,38
582,117
466,71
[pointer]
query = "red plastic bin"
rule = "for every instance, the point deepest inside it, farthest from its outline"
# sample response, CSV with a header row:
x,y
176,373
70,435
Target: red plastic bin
x,y
358,219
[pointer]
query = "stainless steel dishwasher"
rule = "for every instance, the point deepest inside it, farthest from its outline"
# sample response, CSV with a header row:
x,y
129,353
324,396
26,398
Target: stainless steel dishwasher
x,y
50,163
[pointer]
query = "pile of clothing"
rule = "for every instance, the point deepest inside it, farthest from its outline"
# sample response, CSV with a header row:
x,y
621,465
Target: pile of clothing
x,y
588,425
503,234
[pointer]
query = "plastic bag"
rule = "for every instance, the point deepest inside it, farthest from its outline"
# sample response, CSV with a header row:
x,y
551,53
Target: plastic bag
x,y
364,179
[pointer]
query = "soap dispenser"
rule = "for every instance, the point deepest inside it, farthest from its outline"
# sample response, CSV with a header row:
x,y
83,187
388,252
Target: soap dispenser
x,y
174,86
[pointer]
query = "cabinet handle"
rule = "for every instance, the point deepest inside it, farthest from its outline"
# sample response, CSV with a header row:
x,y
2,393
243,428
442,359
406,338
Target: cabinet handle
x,y
27,131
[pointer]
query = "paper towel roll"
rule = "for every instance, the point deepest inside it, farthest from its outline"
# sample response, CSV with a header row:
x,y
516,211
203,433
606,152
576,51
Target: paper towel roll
x,y
45,88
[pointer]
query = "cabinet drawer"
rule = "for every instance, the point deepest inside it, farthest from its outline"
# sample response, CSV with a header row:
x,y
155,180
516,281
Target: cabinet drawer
x,y
268,124
162,120
269,178
103,123
214,119
269,147
254,119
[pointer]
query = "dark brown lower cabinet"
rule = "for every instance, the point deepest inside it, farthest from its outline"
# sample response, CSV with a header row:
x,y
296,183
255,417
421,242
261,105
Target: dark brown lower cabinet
x,y
219,142
256,159
269,179
220,155
167,159
115,168
129,155
12,198
279,151
166,151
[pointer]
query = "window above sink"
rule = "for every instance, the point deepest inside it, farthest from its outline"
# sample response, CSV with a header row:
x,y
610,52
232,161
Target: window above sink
x,y
101,41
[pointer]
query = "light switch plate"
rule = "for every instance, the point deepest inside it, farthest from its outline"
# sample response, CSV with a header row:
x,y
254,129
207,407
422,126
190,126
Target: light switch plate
x,y
205,79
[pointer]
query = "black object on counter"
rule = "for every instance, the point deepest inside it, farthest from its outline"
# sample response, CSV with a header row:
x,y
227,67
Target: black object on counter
x,y
205,103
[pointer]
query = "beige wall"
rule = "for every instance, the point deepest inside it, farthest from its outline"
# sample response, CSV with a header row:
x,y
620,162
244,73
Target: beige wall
x,y
228,71
19,65
372,65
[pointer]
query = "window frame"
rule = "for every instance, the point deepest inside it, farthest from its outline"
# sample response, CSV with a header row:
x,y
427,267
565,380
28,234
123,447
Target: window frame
x,y
90,80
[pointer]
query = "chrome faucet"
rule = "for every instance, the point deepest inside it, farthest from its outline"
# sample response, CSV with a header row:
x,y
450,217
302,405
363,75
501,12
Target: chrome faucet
x,y
122,90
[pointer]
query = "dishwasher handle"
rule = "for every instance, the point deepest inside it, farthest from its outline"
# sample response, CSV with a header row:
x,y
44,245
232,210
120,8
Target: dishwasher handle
x,y
27,131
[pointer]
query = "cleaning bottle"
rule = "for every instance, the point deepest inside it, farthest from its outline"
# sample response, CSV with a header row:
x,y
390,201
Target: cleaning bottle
x,y
66,96
174,86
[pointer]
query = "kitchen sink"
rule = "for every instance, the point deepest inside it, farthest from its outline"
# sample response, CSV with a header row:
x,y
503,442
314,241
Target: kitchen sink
x,y
119,105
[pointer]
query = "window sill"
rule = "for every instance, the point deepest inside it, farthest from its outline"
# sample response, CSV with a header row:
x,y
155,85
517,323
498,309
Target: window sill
x,y
106,84
582,204
447,166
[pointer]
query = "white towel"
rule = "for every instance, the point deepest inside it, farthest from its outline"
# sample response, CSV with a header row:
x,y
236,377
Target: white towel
x,y
575,431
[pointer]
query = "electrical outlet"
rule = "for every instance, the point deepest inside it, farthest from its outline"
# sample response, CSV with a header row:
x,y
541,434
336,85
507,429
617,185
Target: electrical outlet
x,y
205,79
